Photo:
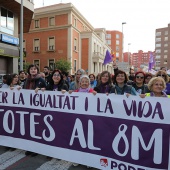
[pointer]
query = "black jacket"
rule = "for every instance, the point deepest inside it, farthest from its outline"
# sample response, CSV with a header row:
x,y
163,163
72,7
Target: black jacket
x,y
61,86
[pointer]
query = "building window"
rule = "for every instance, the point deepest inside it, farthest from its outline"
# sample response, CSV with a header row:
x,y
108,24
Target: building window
x,y
158,51
75,65
108,42
117,48
51,21
117,54
117,36
51,43
158,45
165,56
36,45
158,57
51,64
75,44
94,64
7,20
166,45
166,32
37,63
108,36
117,42
166,38
158,39
165,51
94,47
165,61
75,22
158,33
37,23
24,45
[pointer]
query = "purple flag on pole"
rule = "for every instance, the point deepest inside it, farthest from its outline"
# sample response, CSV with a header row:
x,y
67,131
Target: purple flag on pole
x,y
108,58
151,61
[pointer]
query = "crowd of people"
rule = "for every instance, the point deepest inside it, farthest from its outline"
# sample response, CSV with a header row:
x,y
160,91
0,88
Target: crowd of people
x,y
136,83
119,83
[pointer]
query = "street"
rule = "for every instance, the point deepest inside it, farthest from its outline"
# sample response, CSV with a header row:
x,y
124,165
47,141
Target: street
x,y
17,160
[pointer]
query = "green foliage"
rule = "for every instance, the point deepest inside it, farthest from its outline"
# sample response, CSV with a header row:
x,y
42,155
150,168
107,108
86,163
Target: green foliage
x,y
63,65
25,66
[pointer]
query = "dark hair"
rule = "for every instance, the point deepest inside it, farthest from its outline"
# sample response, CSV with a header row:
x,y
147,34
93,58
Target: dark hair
x,y
65,73
21,71
51,77
32,65
120,72
47,67
109,80
73,76
148,75
10,79
5,76
92,75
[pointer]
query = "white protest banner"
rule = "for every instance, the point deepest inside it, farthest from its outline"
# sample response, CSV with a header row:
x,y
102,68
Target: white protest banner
x,y
106,132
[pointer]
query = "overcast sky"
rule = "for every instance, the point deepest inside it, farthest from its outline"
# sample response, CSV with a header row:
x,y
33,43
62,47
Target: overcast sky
x,y
143,17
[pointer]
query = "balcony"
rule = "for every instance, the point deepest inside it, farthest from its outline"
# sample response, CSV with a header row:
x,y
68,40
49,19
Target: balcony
x,y
15,7
98,55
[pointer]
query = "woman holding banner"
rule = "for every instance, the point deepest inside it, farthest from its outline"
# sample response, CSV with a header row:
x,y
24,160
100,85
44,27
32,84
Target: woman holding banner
x,y
105,83
164,75
121,88
156,86
56,82
139,83
35,82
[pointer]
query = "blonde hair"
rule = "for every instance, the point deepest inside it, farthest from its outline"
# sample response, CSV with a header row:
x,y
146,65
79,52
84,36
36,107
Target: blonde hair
x,y
154,80
161,72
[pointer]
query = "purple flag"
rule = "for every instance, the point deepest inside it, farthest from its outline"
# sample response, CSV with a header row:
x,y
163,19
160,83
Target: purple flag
x,y
108,58
151,61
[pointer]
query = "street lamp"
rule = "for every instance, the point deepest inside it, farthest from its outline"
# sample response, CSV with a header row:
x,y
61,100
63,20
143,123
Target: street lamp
x,y
21,36
128,54
122,40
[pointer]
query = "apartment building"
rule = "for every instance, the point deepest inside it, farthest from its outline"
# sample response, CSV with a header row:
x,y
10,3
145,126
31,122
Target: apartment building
x,y
162,45
140,59
114,40
60,31
9,31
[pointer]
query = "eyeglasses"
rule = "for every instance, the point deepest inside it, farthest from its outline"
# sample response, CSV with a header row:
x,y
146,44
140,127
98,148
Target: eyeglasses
x,y
56,75
139,77
159,75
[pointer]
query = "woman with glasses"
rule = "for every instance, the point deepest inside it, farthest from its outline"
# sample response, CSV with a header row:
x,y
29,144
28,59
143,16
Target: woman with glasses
x,y
105,83
121,87
56,82
156,87
148,77
139,83
164,75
